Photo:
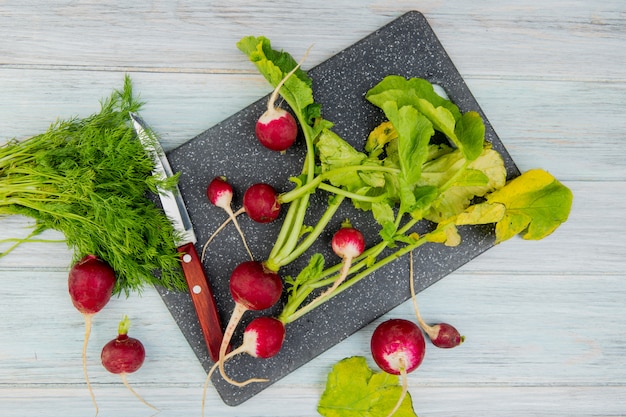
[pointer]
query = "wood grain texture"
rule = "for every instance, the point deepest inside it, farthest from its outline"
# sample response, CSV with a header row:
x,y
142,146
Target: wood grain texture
x,y
543,320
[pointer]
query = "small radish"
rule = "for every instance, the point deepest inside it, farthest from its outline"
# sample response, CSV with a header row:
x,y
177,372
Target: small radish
x,y
260,202
398,348
442,335
90,284
347,243
277,129
253,287
262,338
220,194
124,355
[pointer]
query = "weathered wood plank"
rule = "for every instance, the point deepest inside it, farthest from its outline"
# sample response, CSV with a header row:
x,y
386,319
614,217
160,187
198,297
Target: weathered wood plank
x,y
548,344
429,401
570,40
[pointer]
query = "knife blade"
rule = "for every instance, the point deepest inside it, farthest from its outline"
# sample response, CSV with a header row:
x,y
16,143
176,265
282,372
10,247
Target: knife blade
x,y
174,208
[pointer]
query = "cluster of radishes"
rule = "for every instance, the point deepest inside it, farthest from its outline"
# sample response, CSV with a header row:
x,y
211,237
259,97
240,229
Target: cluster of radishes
x,y
254,287
91,281
397,345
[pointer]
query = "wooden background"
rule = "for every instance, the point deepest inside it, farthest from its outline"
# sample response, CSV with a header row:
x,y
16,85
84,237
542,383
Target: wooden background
x,y
544,321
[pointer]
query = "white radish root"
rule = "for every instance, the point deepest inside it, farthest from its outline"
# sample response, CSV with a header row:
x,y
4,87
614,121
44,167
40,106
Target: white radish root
x,y
88,320
219,229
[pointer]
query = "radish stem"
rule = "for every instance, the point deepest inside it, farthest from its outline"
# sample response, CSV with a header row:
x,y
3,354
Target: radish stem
x,y
311,237
353,280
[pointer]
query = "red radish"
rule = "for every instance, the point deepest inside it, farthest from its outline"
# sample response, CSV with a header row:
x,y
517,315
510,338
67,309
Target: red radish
x,y
442,335
262,338
253,287
90,284
347,243
220,194
124,355
260,202
398,348
277,129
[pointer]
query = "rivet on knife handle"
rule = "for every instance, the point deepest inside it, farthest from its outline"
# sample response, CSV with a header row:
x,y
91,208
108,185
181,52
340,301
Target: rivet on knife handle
x,y
202,297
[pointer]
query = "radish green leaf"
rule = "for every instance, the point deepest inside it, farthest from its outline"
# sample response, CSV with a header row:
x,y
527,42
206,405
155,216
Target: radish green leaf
x,y
354,390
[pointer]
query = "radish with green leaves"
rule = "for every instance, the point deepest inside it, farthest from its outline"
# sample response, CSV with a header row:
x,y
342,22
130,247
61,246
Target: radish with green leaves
x,y
398,348
253,287
90,283
263,338
220,194
124,355
277,129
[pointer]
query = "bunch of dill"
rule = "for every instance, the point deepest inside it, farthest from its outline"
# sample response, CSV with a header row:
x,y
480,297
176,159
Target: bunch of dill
x,y
91,179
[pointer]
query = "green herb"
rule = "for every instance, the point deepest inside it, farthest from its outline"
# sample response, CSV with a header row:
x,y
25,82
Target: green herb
x,y
404,175
91,179
354,390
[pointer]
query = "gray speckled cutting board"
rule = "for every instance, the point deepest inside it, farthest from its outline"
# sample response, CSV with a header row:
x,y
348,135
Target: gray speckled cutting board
x,y
407,46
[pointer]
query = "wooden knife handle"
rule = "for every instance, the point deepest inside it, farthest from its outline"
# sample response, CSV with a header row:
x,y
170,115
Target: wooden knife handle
x,y
203,299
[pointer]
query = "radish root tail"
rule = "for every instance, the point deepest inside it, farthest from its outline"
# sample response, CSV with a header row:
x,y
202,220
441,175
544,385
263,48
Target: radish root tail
x,y
428,329
230,354
88,318
219,229
405,387
127,385
243,238
210,373
238,312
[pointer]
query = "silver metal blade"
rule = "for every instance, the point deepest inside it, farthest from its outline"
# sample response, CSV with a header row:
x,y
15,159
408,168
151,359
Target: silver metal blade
x,y
173,204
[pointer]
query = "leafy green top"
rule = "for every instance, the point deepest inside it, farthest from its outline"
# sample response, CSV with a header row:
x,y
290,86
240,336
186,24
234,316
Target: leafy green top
x,y
354,390
428,161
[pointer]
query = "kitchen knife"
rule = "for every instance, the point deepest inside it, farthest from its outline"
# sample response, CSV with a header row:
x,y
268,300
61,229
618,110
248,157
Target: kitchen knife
x,y
174,208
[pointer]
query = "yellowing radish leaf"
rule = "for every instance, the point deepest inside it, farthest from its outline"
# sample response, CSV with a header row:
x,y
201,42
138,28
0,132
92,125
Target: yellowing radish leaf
x,y
481,214
536,204
445,233
380,137
354,390
459,186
